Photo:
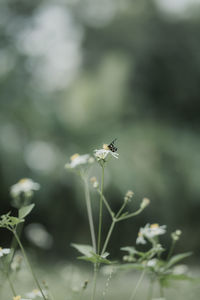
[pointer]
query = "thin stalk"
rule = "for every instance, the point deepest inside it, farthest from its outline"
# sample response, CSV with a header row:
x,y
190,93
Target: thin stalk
x,y
94,281
14,245
132,297
117,219
28,264
130,215
108,236
89,212
121,209
171,250
8,278
106,204
11,285
100,211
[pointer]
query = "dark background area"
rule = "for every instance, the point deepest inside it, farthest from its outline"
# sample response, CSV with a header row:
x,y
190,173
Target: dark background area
x,y
77,74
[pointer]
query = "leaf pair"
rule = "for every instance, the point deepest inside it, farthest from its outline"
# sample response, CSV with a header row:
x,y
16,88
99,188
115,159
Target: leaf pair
x,y
10,222
90,255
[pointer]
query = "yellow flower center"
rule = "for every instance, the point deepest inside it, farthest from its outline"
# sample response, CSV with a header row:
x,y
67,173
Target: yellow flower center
x,y
154,226
23,180
17,298
105,147
0,248
35,291
139,233
74,156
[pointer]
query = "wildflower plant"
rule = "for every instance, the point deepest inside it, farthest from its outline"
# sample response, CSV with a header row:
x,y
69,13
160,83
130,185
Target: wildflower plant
x,y
152,262
24,188
97,252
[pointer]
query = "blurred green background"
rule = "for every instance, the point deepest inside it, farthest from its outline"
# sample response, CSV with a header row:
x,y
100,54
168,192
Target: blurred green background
x,y
77,74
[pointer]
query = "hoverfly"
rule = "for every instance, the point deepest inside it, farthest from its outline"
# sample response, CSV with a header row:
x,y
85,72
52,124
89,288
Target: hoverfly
x,y
112,147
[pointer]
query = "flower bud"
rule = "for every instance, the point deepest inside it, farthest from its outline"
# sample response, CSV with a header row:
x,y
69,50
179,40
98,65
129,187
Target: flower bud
x,y
128,196
94,182
145,203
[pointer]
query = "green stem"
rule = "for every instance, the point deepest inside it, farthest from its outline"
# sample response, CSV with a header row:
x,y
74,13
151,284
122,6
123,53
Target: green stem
x,y
28,264
108,236
137,285
171,250
121,209
11,285
8,278
94,281
100,212
130,215
106,204
14,246
89,212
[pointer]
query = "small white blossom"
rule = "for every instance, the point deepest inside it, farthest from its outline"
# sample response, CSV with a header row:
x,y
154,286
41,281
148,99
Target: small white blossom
x,y
152,262
77,160
149,232
140,239
101,154
26,186
4,251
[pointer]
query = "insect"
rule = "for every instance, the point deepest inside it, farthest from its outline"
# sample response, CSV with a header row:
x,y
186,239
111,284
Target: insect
x,y
112,147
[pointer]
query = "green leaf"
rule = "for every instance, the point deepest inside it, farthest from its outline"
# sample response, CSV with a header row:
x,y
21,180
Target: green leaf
x,y
95,259
13,221
89,255
83,249
25,210
180,277
177,258
130,250
102,258
167,280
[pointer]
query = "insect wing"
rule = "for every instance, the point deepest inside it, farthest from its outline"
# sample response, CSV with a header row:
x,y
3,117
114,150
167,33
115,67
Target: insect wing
x,y
112,147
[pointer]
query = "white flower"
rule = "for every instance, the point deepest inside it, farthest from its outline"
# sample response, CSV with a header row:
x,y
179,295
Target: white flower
x,y
140,239
4,251
34,294
103,153
26,186
149,232
152,262
77,160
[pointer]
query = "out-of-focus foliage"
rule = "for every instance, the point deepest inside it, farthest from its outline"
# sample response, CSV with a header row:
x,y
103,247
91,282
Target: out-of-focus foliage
x,y
75,75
